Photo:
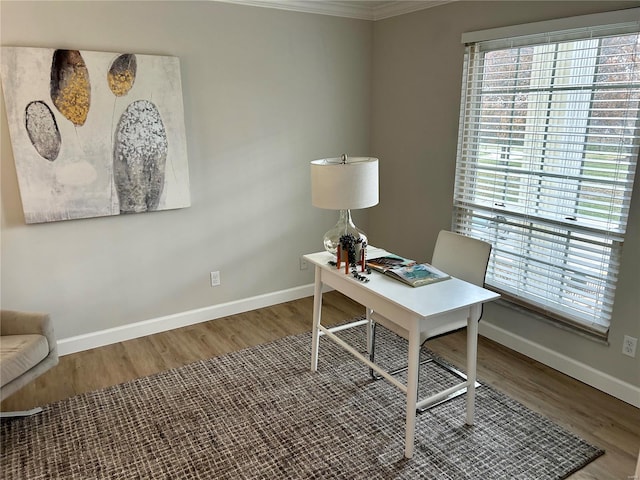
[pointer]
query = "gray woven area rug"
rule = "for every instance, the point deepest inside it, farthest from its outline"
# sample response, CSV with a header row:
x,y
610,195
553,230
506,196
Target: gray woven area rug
x,y
261,414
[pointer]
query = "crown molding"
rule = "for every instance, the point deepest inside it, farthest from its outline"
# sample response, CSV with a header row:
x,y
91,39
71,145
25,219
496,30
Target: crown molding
x,y
362,10
393,9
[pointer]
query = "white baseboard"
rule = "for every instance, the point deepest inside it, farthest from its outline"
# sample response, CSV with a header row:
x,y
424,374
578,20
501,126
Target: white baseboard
x,y
162,324
600,380
578,370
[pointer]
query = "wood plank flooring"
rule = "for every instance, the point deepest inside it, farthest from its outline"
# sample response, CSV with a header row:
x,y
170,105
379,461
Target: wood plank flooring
x,y
589,413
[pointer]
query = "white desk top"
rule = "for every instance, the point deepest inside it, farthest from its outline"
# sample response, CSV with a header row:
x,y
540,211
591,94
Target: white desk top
x,y
426,301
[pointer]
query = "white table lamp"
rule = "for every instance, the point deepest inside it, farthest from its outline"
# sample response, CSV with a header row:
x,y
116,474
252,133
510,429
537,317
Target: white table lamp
x,y
344,184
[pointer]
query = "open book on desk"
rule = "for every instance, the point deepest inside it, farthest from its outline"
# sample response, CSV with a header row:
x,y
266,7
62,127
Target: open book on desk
x,y
406,270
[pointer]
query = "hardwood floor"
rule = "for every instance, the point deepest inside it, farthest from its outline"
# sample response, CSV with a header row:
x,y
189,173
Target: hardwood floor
x,y
589,413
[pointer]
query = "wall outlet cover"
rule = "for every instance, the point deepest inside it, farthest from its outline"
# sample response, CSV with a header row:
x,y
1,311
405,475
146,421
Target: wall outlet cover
x,y
629,345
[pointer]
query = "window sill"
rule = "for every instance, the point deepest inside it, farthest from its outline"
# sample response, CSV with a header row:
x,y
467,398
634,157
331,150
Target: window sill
x,y
583,332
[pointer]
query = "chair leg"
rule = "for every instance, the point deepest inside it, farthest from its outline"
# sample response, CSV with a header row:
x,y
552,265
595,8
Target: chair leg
x,y
455,394
20,413
373,374
447,367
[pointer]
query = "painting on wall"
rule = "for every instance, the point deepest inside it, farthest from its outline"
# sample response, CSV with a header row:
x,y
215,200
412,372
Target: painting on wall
x,y
95,133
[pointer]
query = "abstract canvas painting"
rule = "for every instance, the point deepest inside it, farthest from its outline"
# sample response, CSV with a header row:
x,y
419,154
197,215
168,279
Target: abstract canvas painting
x,y
95,133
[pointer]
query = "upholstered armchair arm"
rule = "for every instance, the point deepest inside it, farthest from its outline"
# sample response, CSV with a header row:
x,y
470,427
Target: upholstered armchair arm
x,y
24,323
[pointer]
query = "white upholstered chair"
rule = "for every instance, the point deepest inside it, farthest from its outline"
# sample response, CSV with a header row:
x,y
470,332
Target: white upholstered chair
x,y
462,257
28,348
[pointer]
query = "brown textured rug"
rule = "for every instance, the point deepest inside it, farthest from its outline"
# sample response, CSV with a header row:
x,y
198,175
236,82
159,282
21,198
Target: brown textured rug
x,y
261,414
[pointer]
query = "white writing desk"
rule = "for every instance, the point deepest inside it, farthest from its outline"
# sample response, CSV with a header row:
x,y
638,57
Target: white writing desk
x,y
415,310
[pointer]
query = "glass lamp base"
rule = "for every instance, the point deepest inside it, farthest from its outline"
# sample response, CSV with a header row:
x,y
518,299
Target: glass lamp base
x,y
344,226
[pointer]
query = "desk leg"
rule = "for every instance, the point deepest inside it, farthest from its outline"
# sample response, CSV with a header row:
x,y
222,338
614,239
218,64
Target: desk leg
x,y
412,388
317,310
370,339
472,354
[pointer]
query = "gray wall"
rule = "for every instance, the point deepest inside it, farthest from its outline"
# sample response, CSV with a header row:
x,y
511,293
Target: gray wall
x,y
265,92
416,103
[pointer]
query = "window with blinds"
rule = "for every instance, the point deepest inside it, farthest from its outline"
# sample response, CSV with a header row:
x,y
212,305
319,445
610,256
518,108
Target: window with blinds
x,y
547,153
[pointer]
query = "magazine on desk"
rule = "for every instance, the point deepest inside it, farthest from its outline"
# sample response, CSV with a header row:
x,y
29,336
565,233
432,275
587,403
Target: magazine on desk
x,y
418,274
387,261
406,270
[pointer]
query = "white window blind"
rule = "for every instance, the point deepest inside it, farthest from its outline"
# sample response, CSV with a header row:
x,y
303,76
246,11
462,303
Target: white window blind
x,y
547,153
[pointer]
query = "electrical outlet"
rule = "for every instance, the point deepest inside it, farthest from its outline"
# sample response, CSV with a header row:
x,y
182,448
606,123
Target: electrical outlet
x,y
629,346
303,263
215,279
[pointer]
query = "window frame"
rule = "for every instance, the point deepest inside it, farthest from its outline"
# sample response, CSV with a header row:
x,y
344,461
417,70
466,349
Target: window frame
x,y
554,31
